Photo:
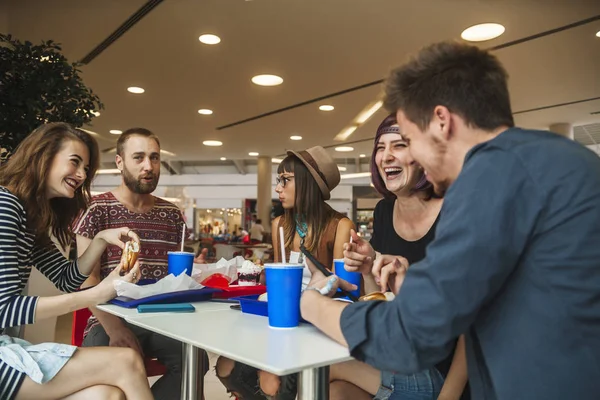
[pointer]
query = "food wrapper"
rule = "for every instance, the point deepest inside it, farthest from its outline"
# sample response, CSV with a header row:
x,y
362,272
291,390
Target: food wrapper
x,y
227,268
168,284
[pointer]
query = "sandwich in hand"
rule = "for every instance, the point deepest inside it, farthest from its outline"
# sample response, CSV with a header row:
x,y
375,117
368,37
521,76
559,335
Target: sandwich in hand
x,y
130,255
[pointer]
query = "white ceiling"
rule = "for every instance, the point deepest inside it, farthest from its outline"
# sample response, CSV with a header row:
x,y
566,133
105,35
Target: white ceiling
x,y
319,47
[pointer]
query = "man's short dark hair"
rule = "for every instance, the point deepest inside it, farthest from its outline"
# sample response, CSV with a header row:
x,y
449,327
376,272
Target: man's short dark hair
x,y
131,132
258,221
467,80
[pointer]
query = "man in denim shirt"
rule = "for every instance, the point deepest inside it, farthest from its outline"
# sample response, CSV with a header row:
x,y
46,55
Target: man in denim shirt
x,y
515,264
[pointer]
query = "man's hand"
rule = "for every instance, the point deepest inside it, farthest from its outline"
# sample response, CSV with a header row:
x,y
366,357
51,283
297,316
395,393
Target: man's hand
x,y
124,337
390,270
201,259
358,255
331,283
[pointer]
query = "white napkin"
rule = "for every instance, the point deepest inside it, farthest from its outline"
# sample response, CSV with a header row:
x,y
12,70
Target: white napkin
x,y
229,268
168,284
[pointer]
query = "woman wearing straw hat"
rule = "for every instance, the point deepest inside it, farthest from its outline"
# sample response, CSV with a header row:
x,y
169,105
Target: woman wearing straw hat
x,y
304,182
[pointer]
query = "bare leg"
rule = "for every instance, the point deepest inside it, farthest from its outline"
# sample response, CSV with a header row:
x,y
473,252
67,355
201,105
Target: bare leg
x,y
269,383
341,390
100,392
359,374
89,367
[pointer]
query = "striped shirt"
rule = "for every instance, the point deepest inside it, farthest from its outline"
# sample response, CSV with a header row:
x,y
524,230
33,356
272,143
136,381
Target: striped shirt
x,y
18,253
159,230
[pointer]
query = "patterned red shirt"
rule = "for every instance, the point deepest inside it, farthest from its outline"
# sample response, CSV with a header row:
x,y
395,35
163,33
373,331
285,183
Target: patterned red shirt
x,y
159,230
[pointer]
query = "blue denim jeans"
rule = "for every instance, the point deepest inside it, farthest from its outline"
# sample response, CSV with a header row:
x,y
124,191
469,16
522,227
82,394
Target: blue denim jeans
x,y
424,385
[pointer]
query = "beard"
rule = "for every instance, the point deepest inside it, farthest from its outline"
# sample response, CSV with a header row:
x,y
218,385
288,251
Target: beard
x,y
137,186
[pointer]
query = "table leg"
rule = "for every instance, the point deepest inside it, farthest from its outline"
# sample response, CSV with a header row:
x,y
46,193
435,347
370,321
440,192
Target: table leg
x,y
313,384
192,382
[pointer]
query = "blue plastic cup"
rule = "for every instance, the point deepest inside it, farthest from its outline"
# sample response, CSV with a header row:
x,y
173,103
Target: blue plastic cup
x,y
284,287
180,262
352,277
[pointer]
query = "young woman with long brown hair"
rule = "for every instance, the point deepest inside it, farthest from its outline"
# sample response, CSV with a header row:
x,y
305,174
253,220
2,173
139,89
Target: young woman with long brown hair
x,y
43,187
304,182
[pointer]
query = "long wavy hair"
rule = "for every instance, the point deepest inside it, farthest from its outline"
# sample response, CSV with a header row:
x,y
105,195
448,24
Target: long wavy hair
x,y
309,205
25,175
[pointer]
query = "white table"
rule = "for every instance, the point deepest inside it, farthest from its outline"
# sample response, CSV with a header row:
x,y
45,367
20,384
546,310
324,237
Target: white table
x,y
249,339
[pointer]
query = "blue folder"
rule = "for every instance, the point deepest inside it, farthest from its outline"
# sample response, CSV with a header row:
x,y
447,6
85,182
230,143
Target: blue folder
x,y
183,296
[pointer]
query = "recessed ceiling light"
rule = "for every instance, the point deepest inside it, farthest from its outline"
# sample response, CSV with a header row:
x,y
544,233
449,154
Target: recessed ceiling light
x,y
205,111
135,89
296,137
253,154
482,32
267,80
209,38
213,143
342,168
326,107
96,113
344,148
115,131
362,155
276,160
223,158
598,34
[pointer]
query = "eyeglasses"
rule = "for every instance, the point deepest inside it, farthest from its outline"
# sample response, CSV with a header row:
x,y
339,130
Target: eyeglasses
x,y
283,180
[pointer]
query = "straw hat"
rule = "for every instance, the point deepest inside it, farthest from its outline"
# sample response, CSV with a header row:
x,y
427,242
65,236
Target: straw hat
x,y
321,166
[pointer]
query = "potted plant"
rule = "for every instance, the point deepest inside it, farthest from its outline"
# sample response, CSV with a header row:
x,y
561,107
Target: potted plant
x,y
39,85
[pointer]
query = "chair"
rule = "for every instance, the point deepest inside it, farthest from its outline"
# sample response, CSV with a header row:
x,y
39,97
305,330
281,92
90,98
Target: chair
x,y
80,318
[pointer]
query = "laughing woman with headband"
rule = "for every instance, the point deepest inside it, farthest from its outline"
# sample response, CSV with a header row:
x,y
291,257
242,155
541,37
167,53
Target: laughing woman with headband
x,y
304,182
404,224
43,187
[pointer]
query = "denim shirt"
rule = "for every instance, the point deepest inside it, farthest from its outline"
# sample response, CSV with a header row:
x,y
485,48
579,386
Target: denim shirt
x,y
515,266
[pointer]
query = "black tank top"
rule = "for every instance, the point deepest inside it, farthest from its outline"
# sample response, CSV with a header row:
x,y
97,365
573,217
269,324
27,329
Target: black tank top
x,y
385,240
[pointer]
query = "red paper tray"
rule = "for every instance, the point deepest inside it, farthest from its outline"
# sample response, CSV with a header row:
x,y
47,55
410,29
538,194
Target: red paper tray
x,y
237,291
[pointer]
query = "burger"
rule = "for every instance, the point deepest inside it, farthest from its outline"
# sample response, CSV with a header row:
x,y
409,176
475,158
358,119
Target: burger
x,y
130,255
373,296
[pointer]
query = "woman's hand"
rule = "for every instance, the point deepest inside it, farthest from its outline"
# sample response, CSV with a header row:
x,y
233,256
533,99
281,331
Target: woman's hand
x,y
358,255
390,270
106,288
118,236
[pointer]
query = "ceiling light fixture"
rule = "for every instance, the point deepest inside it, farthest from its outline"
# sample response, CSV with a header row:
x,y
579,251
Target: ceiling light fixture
x,y
344,149
276,160
356,175
212,143
367,114
267,80
205,111
223,158
209,38
362,155
343,135
482,32
135,89
296,137
598,34
253,154
326,107
342,168
115,131
108,171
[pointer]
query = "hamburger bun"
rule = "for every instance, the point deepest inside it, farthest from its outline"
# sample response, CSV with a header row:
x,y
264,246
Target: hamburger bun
x,y
130,255
373,296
